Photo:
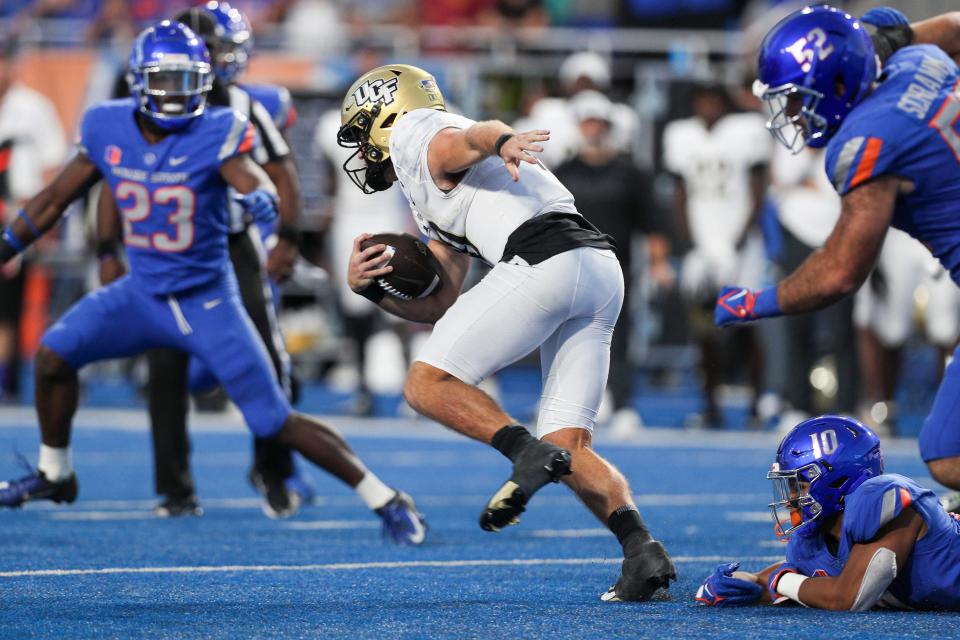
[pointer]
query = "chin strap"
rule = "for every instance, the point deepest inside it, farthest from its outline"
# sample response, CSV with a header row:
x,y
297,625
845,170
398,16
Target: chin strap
x,y
376,179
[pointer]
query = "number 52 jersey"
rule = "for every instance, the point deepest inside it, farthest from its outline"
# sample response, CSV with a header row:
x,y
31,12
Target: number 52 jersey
x,y
908,127
171,196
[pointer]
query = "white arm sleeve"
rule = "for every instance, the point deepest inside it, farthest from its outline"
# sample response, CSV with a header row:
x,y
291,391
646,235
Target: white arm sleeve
x,y
879,574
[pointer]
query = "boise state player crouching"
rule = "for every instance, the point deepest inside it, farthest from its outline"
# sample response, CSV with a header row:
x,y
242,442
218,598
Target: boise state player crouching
x,y
893,154
858,538
181,292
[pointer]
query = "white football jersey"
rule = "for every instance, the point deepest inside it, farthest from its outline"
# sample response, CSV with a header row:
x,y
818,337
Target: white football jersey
x,y
479,214
715,167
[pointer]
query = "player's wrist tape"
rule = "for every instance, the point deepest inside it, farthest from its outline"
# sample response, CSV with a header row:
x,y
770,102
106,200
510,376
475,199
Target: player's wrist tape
x,y
10,245
290,234
765,305
30,225
502,140
789,585
373,293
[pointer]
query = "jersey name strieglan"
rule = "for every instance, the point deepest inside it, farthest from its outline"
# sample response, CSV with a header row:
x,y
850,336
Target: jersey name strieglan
x,y
908,127
171,196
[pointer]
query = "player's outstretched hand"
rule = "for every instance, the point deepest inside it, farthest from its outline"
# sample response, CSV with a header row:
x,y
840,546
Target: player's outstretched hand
x,y
260,204
517,148
884,18
723,589
282,260
739,304
365,264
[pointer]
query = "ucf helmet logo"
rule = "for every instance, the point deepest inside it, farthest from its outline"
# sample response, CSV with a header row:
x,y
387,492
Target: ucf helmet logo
x,y
376,90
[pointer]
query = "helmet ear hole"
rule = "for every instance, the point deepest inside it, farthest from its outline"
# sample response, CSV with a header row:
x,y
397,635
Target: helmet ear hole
x,y
839,87
388,121
839,482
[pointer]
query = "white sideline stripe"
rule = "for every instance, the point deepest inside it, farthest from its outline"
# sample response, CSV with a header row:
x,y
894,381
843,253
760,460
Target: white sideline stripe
x,y
596,532
358,566
433,501
749,516
313,525
102,516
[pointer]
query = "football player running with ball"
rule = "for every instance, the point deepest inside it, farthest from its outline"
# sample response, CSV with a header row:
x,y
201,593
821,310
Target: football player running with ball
x,y
555,283
858,537
893,154
168,160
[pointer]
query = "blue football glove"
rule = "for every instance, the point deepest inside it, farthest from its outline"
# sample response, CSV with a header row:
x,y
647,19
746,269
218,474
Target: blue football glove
x,y
721,589
260,204
884,17
775,576
739,304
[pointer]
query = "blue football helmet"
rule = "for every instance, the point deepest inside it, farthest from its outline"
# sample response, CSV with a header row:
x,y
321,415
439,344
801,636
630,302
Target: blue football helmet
x,y
815,66
818,463
233,52
170,74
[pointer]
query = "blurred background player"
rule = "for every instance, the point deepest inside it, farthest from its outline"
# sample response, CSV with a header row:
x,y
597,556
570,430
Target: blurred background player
x,y
353,213
719,160
170,162
32,146
807,208
227,36
858,538
613,194
885,311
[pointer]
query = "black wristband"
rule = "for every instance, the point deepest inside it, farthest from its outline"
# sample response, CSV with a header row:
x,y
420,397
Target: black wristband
x,y
502,140
107,248
290,234
7,252
374,293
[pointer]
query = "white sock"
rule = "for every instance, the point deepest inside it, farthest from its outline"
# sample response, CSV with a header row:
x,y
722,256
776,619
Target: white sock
x,y
373,492
55,463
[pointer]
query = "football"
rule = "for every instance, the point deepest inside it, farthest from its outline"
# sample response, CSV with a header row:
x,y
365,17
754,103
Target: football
x,y
415,269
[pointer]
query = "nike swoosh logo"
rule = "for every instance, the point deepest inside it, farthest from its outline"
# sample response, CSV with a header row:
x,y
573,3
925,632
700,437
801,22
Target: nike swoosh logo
x,y
177,161
210,304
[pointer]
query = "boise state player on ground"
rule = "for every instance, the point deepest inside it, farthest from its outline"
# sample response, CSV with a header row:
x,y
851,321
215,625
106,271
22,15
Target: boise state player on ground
x,y
168,162
858,537
893,154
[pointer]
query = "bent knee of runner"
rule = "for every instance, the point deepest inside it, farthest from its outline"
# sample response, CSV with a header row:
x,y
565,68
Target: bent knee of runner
x,y
570,438
421,383
51,365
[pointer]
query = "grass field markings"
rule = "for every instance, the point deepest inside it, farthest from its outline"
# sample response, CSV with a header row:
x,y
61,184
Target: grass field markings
x,y
596,532
102,516
312,525
358,566
748,516
678,500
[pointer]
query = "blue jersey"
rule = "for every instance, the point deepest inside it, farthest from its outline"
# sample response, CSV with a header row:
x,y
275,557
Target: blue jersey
x,y
276,100
931,577
171,195
908,127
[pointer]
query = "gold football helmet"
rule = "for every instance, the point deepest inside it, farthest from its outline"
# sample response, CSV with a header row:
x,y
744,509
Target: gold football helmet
x,y
370,110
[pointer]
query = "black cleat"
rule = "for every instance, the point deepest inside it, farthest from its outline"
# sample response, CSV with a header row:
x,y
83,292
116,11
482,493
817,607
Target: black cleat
x,y
279,501
539,463
645,575
35,486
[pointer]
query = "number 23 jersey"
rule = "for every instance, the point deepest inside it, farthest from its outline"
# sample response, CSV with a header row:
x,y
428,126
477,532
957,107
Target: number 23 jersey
x,y
171,196
908,127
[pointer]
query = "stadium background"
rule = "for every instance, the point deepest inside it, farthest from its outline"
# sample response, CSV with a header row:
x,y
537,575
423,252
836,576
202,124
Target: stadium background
x,y
112,570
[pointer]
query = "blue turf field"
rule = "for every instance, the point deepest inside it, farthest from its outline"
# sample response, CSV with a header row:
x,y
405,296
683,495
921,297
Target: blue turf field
x,y
104,568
